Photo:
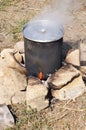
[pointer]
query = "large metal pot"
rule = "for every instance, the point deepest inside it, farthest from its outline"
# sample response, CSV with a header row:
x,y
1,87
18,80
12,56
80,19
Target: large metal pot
x,y
43,47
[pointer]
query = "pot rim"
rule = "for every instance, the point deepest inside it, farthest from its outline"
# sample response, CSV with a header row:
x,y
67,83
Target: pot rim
x,y
58,35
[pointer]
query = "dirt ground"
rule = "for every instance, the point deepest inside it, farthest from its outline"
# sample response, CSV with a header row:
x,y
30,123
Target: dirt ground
x,y
67,115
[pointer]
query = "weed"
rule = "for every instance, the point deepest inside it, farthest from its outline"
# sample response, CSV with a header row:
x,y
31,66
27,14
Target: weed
x,y
16,30
4,3
31,120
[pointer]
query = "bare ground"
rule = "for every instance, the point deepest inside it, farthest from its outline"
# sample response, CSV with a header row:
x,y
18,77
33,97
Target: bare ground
x,y
66,115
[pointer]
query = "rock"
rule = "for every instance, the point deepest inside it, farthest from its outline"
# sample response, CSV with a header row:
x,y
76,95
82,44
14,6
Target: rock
x,y
5,53
19,46
18,57
23,57
19,98
12,61
11,81
6,118
71,90
83,69
73,57
62,77
83,52
36,93
83,72
2,37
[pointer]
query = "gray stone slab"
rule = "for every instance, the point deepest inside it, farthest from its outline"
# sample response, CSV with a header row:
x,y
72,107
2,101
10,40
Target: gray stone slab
x,y
6,118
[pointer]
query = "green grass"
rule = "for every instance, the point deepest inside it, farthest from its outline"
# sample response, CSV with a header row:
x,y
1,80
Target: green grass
x,y
18,27
4,3
16,31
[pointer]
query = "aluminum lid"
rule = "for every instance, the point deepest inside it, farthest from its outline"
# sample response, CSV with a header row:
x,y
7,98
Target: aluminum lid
x,y
43,31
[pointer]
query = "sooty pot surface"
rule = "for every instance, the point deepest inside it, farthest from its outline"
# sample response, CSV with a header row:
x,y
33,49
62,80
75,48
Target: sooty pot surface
x,y
43,47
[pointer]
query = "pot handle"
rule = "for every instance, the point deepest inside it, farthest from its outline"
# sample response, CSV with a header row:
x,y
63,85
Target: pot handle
x,y
13,55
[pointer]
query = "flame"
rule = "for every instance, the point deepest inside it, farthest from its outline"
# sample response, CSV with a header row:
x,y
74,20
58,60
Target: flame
x,y
40,75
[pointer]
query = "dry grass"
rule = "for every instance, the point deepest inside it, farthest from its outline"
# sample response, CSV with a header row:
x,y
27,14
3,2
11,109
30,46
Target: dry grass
x,y
13,15
65,115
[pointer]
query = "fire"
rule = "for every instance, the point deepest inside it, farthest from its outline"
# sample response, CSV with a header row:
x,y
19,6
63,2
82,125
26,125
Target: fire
x,y
40,75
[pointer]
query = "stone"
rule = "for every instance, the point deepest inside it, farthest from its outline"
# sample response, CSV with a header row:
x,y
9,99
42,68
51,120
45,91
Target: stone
x,y
83,52
12,60
36,93
5,53
2,37
83,72
11,81
62,77
83,69
6,118
23,57
19,46
18,57
73,57
19,98
70,91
